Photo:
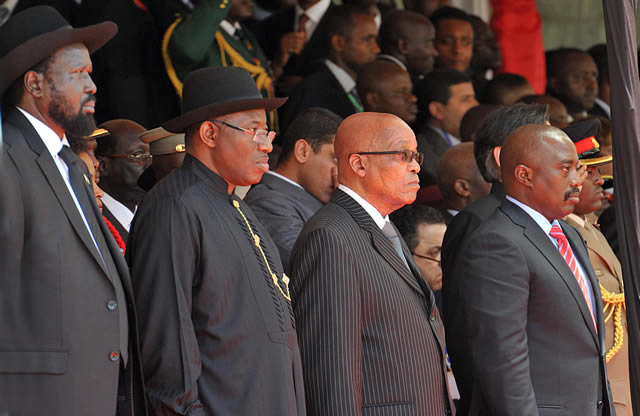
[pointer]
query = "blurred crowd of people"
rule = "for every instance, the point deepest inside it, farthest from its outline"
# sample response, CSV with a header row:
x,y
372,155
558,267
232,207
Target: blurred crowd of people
x,y
299,207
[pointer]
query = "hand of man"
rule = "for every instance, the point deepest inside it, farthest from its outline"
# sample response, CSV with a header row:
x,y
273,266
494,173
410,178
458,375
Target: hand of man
x,y
292,43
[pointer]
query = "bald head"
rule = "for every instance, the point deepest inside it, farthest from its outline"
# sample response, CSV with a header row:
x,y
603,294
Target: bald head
x,y
364,132
539,168
387,180
458,177
119,171
385,87
409,37
558,115
398,25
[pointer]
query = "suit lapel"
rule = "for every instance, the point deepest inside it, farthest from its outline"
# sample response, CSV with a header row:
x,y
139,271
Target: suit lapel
x,y
380,242
59,187
542,242
579,250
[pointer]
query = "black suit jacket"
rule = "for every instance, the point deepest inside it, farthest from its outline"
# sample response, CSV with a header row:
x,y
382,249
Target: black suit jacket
x,y
315,49
432,145
57,331
458,233
320,89
370,335
282,208
534,347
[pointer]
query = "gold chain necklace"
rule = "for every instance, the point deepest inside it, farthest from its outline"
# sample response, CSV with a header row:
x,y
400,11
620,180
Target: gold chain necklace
x,y
256,241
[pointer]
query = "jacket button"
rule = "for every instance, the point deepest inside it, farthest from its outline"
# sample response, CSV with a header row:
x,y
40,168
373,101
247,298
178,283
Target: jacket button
x,y
114,356
112,305
600,404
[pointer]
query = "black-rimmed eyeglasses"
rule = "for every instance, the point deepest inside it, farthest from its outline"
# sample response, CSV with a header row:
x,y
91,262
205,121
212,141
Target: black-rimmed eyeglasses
x,y
260,136
427,257
407,155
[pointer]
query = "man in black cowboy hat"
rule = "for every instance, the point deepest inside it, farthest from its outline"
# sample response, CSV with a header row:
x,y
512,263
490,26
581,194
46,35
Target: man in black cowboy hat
x,y
68,343
217,330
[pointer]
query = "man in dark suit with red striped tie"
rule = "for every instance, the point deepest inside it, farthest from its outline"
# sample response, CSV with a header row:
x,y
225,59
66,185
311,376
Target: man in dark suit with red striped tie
x,y
530,296
370,336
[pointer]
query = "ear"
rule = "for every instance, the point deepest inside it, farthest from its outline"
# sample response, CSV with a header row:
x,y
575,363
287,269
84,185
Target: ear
x,y
436,110
462,187
402,45
337,43
358,165
33,83
496,155
523,175
302,151
104,166
371,101
208,133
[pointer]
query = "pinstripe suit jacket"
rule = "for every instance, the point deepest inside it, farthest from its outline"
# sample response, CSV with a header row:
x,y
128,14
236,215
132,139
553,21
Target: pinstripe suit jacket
x,y
371,339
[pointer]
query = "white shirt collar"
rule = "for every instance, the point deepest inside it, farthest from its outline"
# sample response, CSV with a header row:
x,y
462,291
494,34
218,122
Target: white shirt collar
x,y
450,138
606,107
229,28
537,217
371,210
284,178
121,212
49,137
314,12
346,82
453,212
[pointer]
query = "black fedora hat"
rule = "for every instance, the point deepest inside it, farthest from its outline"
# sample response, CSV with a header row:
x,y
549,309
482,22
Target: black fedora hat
x,y
585,136
215,91
32,35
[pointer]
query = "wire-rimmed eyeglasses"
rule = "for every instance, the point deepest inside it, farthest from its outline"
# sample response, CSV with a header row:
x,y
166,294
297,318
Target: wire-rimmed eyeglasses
x,y
139,158
260,136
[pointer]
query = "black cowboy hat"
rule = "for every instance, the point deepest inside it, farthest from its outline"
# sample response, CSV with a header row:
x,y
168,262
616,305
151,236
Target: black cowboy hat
x,y
585,136
30,36
215,91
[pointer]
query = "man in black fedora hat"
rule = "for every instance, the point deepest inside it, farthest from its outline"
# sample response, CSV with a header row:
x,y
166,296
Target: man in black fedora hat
x,y
68,343
217,330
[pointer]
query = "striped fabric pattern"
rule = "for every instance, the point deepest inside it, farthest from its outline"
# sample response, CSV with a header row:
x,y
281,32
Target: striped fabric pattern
x,y
371,339
567,255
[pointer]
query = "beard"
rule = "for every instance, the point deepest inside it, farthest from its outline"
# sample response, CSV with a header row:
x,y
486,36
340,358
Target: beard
x,y
77,125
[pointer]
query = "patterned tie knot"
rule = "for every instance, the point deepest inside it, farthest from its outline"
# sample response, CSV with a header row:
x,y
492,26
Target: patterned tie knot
x,y
388,230
556,232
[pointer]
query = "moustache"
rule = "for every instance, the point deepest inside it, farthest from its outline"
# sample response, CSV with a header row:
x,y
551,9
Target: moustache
x,y
568,194
90,98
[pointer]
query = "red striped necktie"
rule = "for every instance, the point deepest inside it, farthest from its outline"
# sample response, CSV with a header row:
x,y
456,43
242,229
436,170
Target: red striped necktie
x,y
567,255
302,25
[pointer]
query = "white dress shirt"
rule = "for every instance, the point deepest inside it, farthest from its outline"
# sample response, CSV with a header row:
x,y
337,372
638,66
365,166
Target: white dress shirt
x,y
54,144
371,210
229,28
284,178
545,225
314,13
344,79
120,211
